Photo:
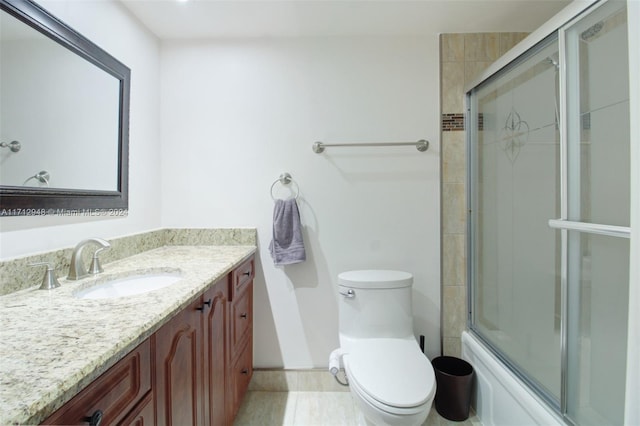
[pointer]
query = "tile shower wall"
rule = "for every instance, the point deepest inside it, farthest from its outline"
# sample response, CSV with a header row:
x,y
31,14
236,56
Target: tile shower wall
x,y
462,58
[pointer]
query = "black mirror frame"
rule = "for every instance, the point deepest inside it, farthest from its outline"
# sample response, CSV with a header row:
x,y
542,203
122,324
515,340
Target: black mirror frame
x,y
21,201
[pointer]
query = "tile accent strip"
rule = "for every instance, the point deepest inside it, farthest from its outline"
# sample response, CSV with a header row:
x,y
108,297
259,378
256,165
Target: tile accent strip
x,y
455,121
452,122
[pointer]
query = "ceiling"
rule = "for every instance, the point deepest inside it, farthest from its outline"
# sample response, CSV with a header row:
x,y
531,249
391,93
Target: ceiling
x,y
195,19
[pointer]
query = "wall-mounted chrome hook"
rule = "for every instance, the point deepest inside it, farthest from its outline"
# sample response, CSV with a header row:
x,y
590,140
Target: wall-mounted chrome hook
x,y
14,146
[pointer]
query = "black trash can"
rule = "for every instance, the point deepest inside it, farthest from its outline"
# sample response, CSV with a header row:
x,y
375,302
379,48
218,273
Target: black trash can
x,y
454,378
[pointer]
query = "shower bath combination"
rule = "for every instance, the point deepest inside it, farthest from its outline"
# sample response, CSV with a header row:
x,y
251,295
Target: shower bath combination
x,y
549,223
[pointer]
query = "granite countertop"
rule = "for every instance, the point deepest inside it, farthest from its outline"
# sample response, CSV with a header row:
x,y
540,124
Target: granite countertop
x,y
54,344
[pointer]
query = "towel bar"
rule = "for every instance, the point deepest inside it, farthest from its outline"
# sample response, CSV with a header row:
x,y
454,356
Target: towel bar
x,y
422,145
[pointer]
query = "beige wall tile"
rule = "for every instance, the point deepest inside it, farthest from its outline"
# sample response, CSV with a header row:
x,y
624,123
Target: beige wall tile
x,y
454,318
453,157
452,87
480,50
452,346
473,69
508,40
452,47
454,219
481,47
454,260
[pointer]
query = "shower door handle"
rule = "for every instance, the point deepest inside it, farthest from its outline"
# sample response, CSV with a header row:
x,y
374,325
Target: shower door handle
x,y
591,228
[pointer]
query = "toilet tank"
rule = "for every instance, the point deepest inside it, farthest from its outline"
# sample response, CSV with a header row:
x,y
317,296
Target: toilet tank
x,y
375,303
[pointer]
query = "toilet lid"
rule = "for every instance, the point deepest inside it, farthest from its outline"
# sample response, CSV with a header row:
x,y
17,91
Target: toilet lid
x,y
391,371
375,278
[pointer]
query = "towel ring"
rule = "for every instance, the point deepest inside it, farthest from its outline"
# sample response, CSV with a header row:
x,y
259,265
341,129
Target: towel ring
x,y
285,179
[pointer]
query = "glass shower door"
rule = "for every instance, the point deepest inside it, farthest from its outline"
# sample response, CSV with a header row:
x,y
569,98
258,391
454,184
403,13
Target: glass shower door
x,y
549,199
516,175
597,215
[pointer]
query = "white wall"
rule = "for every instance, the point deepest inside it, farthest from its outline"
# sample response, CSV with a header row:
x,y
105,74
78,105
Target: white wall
x,y
236,114
109,25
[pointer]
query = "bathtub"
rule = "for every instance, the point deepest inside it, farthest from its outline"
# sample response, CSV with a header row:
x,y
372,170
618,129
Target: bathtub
x,y
500,398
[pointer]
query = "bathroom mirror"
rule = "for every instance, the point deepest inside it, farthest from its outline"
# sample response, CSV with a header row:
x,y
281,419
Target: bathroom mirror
x,y
64,118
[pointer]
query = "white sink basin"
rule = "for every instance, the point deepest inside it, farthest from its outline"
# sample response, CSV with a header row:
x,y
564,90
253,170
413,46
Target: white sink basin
x,y
130,285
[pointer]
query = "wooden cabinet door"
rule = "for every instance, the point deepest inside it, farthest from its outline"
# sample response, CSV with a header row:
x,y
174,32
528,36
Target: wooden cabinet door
x,y
179,369
217,351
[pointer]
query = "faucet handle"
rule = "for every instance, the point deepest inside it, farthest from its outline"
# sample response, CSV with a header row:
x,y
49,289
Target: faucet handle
x,y
77,268
95,267
49,281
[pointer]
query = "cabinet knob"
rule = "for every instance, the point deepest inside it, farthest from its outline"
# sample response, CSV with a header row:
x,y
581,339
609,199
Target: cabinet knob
x,y
243,315
208,303
95,419
246,274
245,371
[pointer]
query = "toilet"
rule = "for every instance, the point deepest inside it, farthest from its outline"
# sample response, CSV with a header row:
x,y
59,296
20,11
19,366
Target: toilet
x,y
390,379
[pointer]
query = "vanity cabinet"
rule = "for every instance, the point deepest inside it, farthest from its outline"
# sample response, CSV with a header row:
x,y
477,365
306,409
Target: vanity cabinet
x,y
204,355
122,395
200,363
241,335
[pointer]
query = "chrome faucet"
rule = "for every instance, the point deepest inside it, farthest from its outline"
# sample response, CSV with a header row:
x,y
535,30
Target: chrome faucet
x,y
77,268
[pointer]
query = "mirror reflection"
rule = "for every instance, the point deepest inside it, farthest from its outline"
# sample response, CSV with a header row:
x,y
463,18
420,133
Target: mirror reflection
x,y
59,114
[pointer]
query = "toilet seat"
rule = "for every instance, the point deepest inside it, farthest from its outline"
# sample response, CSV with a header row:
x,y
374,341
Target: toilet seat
x,y
391,374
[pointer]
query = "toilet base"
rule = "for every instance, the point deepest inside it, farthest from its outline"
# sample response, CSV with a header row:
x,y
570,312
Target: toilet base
x,y
363,420
370,416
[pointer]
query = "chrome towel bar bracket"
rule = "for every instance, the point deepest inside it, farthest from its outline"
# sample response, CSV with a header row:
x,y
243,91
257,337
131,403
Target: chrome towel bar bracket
x,y
422,145
14,146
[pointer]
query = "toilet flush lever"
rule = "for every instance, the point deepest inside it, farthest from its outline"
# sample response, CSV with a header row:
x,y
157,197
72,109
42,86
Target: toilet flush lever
x,y
349,294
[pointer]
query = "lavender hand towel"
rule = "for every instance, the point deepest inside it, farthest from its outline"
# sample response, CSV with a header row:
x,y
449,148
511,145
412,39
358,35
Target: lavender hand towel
x,y
287,246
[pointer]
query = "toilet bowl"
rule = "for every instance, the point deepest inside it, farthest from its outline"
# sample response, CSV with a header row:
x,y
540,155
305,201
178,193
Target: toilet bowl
x,y
391,380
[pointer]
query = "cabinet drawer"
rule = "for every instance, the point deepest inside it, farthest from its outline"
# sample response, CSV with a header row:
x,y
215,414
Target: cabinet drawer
x,y
241,319
241,276
142,415
241,373
114,393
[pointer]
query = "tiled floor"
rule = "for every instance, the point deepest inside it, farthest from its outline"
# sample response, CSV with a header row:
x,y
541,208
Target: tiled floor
x,y
269,408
